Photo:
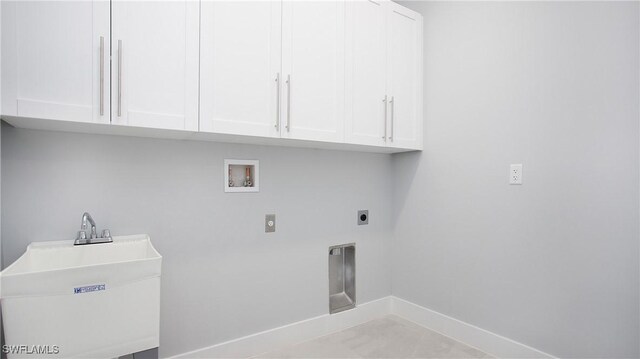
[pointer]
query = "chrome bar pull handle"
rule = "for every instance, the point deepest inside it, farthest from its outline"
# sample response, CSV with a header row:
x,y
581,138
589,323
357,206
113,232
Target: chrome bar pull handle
x,y
392,105
278,101
288,103
119,78
384,100
101,75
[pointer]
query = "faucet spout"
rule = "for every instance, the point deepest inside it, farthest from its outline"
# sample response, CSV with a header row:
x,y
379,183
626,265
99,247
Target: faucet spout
x,y
87,217
94,238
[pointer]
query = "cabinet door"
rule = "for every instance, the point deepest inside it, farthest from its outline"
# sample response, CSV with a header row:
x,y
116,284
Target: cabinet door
x,y
155,64
405,78
313,70
240,67
51,63
366,72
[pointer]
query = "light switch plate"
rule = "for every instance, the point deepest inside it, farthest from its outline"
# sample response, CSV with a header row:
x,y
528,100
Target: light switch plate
x,y
515,174
270,223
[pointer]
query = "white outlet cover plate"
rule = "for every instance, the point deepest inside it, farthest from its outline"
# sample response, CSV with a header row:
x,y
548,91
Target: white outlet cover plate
x,y
515,174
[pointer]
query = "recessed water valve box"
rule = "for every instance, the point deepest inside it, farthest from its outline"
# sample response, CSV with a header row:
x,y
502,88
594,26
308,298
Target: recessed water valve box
x,y
241,176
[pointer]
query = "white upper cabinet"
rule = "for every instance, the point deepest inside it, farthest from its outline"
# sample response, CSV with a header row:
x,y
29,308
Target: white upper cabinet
x,y
52,66
326,73
384,75
240,67
366,72
313,70
404,81
155,59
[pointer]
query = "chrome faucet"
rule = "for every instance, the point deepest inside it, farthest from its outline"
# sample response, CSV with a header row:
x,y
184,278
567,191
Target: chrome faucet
x,y
105,236
87,217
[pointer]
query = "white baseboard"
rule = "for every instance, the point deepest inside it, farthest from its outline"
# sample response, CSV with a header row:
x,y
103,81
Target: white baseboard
x,y
308,329
471,335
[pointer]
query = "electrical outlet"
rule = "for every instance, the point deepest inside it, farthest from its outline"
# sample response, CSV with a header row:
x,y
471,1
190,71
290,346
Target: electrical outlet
x,y
270,223
515,174
363,217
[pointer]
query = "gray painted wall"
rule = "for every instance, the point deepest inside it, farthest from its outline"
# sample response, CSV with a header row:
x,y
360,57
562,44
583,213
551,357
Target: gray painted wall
x,y
223,277
552,263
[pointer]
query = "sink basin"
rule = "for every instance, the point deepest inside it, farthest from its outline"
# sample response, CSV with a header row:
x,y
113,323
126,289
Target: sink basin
x,y
99,300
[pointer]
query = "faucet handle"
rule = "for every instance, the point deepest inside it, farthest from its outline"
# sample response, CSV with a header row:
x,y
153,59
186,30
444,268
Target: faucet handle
x,y
106,233
82,235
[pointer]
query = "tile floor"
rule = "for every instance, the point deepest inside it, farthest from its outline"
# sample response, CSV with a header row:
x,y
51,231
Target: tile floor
x,y
387,337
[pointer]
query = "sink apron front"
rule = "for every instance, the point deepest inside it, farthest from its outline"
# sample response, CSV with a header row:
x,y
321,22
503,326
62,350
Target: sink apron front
x,y
101,310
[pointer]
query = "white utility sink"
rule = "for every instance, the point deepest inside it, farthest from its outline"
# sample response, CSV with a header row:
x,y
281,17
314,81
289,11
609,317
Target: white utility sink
x,y
97,300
